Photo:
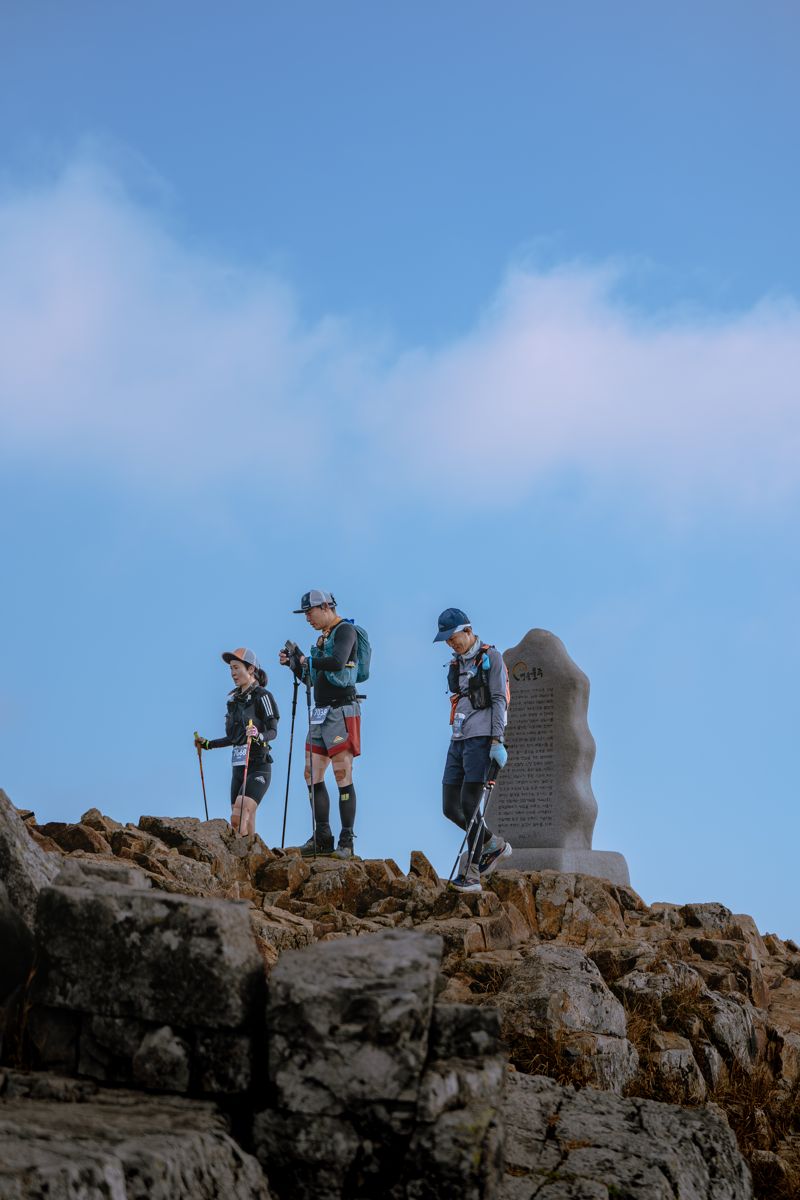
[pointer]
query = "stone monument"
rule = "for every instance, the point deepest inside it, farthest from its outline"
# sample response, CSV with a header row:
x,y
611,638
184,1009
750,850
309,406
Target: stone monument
x,y
543,801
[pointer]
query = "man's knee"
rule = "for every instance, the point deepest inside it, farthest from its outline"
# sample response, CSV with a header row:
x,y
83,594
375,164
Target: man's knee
x,y
471,796
343,769
318,769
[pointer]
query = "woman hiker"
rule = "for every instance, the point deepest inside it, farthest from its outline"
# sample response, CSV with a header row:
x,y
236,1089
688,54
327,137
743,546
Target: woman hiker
x,y
252,718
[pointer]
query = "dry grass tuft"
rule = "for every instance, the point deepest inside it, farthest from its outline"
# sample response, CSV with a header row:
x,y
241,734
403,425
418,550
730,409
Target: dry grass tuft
x,y
487,978
681,1008
16,1050
759,1107
651,1084
541,1055
642,1020
765,1115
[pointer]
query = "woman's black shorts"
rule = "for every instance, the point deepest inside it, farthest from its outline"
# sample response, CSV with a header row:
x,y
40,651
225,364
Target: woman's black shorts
x,y
257,782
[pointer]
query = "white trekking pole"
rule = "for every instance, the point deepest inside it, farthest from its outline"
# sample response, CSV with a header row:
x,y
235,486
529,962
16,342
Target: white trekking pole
x,y
480,812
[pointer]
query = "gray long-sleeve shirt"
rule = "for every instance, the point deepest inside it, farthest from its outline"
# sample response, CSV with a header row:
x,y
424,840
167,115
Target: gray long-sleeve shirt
x,y
482,722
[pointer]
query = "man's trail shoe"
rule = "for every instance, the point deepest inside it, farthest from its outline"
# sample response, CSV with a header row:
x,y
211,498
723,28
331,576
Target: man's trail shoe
x,y
324,845
493,852
471,882
345,847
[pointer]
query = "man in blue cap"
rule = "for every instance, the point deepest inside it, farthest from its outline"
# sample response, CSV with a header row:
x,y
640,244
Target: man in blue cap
x,y
478,682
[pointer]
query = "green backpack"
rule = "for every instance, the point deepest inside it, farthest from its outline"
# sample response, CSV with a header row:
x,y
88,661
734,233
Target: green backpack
x,y
349,675
364,651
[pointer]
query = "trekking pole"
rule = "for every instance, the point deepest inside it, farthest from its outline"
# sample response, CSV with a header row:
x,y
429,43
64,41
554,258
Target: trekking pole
x,y
289,769
244,781
310,759
480,808
199,750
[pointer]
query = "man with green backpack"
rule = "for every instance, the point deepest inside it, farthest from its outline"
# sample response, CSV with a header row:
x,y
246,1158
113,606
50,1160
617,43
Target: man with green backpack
x,y
338,661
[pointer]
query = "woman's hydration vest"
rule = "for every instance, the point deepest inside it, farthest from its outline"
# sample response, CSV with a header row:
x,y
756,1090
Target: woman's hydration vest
x,y
242,709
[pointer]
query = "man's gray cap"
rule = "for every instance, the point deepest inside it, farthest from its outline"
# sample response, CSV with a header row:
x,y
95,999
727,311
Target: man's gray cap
x,y
314,599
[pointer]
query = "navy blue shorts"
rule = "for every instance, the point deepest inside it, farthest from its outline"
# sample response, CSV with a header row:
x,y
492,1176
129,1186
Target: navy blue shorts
x,y
467,761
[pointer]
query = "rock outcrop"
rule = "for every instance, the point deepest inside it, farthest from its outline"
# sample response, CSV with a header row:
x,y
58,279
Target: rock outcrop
x,y
563,1144
24,867
557,993
65,1139
377,1091
345,1023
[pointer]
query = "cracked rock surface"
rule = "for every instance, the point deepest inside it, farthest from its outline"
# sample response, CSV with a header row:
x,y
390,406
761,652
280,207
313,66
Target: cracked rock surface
x,y
563,1144
74,1141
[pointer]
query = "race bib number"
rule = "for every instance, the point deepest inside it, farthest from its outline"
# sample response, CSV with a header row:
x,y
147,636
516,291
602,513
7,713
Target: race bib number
x,y
458,724
319,714
239,756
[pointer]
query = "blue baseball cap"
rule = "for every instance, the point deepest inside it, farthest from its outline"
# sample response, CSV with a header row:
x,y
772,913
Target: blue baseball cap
x,y
451,621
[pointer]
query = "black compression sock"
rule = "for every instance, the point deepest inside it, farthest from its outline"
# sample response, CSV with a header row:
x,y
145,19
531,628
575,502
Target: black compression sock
x,y
322,804
471,794
451,804
347,806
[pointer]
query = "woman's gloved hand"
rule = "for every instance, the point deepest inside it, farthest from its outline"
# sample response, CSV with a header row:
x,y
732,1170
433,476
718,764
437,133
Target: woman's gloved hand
x,y
200,742
498,754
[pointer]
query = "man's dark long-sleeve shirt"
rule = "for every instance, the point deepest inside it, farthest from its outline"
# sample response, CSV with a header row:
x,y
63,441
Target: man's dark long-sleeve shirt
x,y
344,651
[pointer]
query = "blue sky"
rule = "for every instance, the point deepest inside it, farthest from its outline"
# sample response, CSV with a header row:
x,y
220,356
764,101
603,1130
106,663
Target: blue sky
x,y
429,305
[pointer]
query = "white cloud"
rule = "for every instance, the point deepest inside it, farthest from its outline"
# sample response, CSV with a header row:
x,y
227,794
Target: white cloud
x,y
118,343
566,377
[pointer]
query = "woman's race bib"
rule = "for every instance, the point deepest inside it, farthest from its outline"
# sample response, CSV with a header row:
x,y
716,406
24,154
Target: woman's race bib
x,y
319,714
239,756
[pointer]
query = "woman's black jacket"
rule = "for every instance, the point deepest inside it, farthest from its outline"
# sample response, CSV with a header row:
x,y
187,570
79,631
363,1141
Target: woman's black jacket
x,y
256,705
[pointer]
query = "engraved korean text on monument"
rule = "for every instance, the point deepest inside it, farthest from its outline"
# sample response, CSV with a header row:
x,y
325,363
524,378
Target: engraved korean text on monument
x,y
526,791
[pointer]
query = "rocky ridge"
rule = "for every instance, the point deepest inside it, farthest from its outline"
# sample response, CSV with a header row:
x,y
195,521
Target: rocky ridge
x,y
656,1026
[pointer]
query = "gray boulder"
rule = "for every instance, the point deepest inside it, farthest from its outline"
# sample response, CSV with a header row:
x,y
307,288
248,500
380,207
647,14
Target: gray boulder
x,y
671,1059
99,872
24,868
162,1060
213,843
376,1093
116,1145
730,1026
147,955
609,1063
456,1148
563,1144
712,917
558,994
557,989
141,987
348,1021
659,993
